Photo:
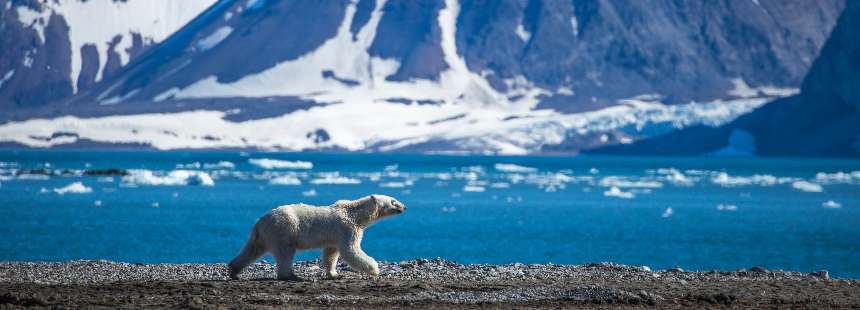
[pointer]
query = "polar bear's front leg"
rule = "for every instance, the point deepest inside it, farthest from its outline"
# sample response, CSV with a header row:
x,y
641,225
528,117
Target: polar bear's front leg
x,y
329,262
351,251
284,260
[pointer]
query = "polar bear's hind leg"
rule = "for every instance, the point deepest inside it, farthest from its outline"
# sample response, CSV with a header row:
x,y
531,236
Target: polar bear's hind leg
x,y
252,251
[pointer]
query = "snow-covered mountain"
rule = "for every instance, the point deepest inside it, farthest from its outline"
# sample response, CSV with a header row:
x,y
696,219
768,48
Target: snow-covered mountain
x,y
51,49
823,120
441,76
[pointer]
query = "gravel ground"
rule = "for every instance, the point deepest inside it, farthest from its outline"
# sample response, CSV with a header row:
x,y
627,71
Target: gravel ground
x,y
414,284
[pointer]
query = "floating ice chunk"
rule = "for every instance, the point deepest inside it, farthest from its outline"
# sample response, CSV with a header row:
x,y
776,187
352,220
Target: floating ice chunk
x,y
807,186
393,185
593,170
725,180
74,188
156,204
514,168
676,177
722,207
309,193
194,165
33,177
838,177
105,179
391,167
616,192
174,178
449,209
473,188
220,165
616,181
830,204
334,178
667,213
286,180
500,185
97,203
267,163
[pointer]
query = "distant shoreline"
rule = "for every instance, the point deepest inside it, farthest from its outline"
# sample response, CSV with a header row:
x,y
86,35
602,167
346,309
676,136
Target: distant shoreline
x,y
417,283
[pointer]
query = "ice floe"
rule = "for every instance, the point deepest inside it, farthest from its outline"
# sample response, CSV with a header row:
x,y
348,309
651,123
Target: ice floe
x,y
807,186
220,165
514,168
334,178
286,180
727,207
830,204
267,163
173,178
667,213
309,193
838,177
725,180
74,188
625,182
617,192
474,188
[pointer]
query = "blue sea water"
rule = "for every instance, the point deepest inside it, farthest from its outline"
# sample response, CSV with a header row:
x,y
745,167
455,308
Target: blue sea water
x,y
696,213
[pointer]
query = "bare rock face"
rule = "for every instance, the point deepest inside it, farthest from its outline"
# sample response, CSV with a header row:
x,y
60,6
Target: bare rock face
x,y
822,120
51,50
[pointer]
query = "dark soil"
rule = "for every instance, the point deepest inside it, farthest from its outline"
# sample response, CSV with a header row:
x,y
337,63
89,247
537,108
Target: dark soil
x,y
414,284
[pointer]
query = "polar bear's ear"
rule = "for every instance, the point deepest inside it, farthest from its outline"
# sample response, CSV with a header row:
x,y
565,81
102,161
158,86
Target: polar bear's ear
x,y
373,198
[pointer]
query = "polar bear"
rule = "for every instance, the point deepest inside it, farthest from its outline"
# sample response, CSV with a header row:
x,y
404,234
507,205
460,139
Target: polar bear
x,y
336,229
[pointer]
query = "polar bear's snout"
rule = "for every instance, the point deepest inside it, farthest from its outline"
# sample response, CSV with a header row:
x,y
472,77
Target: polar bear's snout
x,y
393,207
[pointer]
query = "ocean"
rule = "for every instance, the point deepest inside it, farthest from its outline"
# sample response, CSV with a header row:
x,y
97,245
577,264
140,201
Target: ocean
x,y
697,213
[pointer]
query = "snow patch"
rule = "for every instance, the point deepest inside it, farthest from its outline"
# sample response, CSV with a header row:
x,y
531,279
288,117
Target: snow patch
x,y
214,39
6,77
487,130
743,90
267,163
74,188
522,33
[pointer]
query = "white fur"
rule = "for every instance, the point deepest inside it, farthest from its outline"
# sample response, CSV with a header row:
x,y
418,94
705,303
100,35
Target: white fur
x,y
336,229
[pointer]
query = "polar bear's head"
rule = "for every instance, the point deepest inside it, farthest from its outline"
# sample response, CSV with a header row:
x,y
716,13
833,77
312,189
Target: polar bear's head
x,y
367,210
387,205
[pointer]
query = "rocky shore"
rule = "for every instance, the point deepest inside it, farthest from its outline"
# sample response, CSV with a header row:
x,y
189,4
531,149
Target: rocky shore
x,y
416,284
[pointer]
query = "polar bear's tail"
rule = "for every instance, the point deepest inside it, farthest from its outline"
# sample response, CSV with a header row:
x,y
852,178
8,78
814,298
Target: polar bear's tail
x,y
252,250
